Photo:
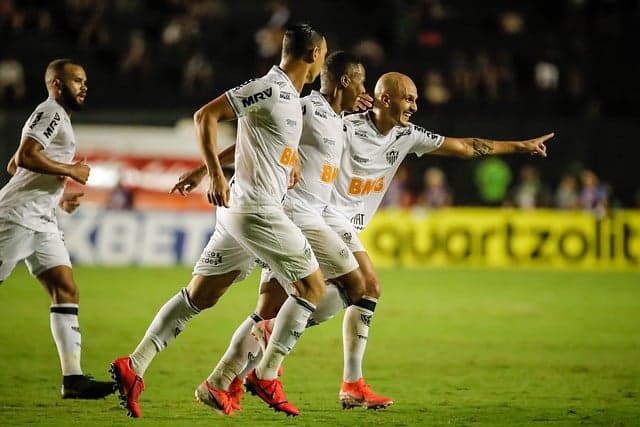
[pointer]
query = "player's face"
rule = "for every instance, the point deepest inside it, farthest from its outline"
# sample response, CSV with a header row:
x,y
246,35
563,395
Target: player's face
x,y
403,104
354,89
73,87
314,71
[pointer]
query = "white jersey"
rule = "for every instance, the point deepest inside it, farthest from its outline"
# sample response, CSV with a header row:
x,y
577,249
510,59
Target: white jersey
x,y
370,161
30,198
321,147
269,128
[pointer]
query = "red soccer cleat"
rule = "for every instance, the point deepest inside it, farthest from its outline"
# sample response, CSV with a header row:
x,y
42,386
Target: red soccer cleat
x,y
130,385
215,398
360,394
271,392
235,393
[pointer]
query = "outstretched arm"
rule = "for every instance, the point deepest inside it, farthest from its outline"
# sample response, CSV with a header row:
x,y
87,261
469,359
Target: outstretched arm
x,y
206,121
476,147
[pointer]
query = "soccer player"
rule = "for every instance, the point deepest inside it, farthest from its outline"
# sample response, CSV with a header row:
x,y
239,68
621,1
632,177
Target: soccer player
x,y
28,226
376,143
251,223
321,146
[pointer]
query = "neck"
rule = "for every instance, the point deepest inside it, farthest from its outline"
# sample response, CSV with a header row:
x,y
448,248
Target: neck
x,y
62,104
333,97
296,70
382,123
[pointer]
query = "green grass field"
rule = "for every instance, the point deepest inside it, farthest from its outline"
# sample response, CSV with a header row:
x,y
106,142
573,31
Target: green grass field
x,y
459,347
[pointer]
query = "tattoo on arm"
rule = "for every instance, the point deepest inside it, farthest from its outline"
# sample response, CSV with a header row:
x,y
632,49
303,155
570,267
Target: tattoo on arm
x,y
481,147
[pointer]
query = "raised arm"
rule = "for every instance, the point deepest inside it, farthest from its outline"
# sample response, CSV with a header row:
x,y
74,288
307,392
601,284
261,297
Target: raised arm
x,y
476,147
206,121
30,156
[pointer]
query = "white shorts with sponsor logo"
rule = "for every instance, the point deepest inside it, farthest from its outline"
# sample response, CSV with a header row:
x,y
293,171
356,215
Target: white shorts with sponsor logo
x,y
243,240
333,254
40,251
341,225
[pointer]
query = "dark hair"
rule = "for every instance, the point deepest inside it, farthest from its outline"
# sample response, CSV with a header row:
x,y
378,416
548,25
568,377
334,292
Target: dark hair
x,y
337,64
299,39
56,68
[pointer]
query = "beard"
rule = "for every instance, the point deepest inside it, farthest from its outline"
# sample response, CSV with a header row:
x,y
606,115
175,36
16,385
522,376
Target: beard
x,y
69,100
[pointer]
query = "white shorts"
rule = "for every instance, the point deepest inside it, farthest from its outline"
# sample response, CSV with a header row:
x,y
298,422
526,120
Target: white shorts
x,y
243,240
333,254
341,225
40,251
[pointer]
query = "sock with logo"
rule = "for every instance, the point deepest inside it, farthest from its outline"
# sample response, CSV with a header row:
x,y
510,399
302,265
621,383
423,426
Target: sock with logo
x,y
333,301
355,332
243,349
65,329
165,327
289,326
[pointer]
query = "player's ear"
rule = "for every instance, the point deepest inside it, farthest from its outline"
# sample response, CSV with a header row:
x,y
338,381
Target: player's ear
x,y
312,55
345,80
385,99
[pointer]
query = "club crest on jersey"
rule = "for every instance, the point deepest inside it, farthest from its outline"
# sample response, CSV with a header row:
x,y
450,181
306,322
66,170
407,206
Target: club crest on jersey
x,y
392,156
260,96
347,237
358,220
35,121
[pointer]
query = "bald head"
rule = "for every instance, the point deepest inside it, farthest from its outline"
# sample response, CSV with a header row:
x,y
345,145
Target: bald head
x,y
394,84
395,99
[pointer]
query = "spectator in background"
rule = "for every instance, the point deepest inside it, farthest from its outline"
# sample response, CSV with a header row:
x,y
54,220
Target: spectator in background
x,y
398,194
594,196
530,192
492,178
436,193
12,86
567,196
120,198
197,75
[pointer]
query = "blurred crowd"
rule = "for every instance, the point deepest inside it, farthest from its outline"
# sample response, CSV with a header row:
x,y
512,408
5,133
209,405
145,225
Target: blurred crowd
x,y
541,55
470,59
579,189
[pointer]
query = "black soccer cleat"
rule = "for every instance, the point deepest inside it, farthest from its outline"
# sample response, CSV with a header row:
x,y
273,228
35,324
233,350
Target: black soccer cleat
x,y
85,387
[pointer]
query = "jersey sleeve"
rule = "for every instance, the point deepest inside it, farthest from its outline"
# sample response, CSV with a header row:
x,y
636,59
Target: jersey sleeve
x,y
424,141
253,95
44,124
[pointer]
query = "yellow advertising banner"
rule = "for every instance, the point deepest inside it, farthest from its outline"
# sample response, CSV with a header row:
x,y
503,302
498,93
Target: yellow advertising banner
x,y
504,238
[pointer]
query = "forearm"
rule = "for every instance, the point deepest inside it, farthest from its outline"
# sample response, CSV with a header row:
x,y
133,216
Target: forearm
x,y
207,129
35,161
488,147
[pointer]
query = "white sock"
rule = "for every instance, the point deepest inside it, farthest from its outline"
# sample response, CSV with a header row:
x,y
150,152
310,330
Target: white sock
x,y
65,329
242,349
355,332
289,326
332,302
165,327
